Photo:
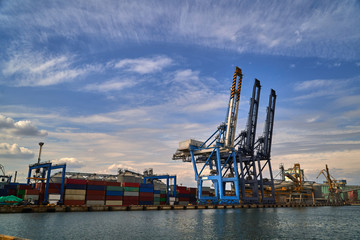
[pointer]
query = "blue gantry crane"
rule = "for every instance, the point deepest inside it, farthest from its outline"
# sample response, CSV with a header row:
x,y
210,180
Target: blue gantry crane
x,y
215,168
234,163
42,174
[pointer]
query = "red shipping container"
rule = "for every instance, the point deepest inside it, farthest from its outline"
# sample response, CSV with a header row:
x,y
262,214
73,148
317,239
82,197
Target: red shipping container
x,y
180,188
95,192
146,194
74,202
150,199
162,195
32,192
24,187
54,190
183,199
75,181
117,184
114,197
95,197
12,192
192,190
130,201
130,184
97,183
183,191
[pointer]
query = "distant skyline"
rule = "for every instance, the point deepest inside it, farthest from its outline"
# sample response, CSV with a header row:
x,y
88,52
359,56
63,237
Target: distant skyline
x,y
117,84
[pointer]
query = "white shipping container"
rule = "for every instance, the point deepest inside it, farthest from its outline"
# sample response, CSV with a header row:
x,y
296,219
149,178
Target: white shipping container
x,y
75,192
114,202
74,197
95,202
131,194
31,197
54,197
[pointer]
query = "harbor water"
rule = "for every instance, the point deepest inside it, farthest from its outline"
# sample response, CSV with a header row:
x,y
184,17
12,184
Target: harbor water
x,y
252,223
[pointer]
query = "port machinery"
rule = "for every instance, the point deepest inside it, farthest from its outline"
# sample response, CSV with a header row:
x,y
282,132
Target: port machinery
x,y
42,174
230,162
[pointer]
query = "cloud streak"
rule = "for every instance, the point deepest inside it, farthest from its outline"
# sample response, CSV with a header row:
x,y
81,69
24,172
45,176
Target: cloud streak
x,y
299,28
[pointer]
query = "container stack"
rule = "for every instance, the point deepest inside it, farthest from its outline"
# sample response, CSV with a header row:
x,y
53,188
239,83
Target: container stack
x,y
192,197
206,191
114,194
146,194
157,194
21,190
32,195
75,191
163,194
131,193
95,194
184,195
11,189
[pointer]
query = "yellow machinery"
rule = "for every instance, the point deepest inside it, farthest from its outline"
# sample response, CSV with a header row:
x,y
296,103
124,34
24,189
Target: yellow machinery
x,y
334,189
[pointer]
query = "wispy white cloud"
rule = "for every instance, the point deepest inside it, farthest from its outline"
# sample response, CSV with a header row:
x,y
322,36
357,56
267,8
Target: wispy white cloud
x,y
297,28
37,69
144,65
108,86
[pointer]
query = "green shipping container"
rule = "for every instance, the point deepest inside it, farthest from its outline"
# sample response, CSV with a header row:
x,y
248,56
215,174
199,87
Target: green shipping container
x,y
162,199
131,189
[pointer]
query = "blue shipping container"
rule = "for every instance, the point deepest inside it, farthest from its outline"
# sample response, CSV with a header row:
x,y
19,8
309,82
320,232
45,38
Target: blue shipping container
x,y
114,193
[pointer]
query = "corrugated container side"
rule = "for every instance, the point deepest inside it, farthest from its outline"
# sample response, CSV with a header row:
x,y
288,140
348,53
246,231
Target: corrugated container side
x,y
74,202
74,197
95,202
113,203
131,194
75,181
75,192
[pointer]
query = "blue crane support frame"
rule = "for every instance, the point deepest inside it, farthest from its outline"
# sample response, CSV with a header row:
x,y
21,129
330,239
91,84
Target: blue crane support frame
x,y
46,171
167,177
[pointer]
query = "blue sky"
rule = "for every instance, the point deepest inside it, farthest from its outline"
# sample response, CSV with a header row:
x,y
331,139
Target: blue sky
x,y
119,83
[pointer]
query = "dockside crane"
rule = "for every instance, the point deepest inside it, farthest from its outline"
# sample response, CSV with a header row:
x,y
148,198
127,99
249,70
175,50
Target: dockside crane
x,y
263,152
245,143
334,190
210,153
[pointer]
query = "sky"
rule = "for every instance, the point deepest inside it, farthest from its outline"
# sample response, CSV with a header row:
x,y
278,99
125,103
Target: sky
x,y
118,84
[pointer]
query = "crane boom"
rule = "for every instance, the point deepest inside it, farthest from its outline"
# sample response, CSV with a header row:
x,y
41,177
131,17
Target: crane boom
x,y
233,108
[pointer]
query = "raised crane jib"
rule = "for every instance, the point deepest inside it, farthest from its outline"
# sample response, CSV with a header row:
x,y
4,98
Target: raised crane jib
x,y
233,108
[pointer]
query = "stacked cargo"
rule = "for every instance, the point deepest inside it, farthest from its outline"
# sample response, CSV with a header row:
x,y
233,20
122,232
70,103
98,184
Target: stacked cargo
x,y
11,189
54,193
353,196
157,194
183,195
75,191
114,194
131,193
206,192
32,195
192,197
95,194
21,190
163,194
146,194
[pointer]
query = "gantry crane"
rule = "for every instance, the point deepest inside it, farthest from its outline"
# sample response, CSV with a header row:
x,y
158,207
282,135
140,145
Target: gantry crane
x,y
245,151
222,154
334,189
215,168
263,152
